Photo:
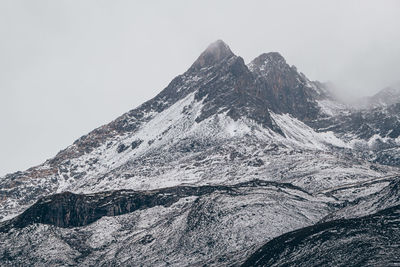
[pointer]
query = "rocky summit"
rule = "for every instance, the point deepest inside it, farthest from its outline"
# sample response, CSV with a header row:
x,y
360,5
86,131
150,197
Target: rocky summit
x,y
231,164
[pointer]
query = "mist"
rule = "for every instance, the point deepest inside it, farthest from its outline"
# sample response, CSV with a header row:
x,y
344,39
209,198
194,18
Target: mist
x,y
67,67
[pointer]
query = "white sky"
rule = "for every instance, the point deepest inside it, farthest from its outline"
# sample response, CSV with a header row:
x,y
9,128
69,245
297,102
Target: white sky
x,y
67,67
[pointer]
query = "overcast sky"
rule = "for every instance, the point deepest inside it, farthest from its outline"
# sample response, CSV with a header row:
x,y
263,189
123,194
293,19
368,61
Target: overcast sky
x,y
67,67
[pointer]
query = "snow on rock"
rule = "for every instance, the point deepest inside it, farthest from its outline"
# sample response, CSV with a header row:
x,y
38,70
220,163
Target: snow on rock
x,y
302,135
332,108
218,227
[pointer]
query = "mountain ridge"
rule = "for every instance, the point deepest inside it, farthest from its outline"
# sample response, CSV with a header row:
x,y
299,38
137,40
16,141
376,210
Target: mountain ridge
x,y
227,89
132,119
263,143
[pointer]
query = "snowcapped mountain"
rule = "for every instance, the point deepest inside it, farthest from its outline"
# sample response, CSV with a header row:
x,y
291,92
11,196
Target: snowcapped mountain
x,y
387,96
227,157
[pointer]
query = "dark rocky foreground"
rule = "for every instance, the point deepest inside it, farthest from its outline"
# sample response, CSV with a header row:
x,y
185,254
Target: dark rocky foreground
x,y
373,240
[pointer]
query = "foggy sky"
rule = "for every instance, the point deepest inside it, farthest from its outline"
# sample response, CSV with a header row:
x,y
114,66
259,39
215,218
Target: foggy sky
x,y
67,67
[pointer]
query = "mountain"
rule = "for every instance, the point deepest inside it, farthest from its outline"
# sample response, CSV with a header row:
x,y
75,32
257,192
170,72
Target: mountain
x,y
226,158
387,96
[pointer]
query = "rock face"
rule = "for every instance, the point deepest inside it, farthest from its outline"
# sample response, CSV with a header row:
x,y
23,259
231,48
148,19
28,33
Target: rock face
x,y
227,157
373,132
214,54
71,210
383,122
368,241
286,90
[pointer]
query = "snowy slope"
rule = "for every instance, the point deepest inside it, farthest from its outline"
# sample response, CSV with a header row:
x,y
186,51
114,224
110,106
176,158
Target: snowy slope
x,y
213,228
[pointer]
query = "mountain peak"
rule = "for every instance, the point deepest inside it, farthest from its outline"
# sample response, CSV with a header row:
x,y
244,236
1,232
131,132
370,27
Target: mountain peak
x,y
268,59
214,53
273,56
389,91
386,97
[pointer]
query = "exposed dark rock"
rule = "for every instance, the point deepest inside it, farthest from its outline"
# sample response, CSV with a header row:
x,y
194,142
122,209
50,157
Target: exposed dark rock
x,y
383,121
214,53
136,143
187,146
235,154
121,148
283,88
147,239
72,210
368,241
257,162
